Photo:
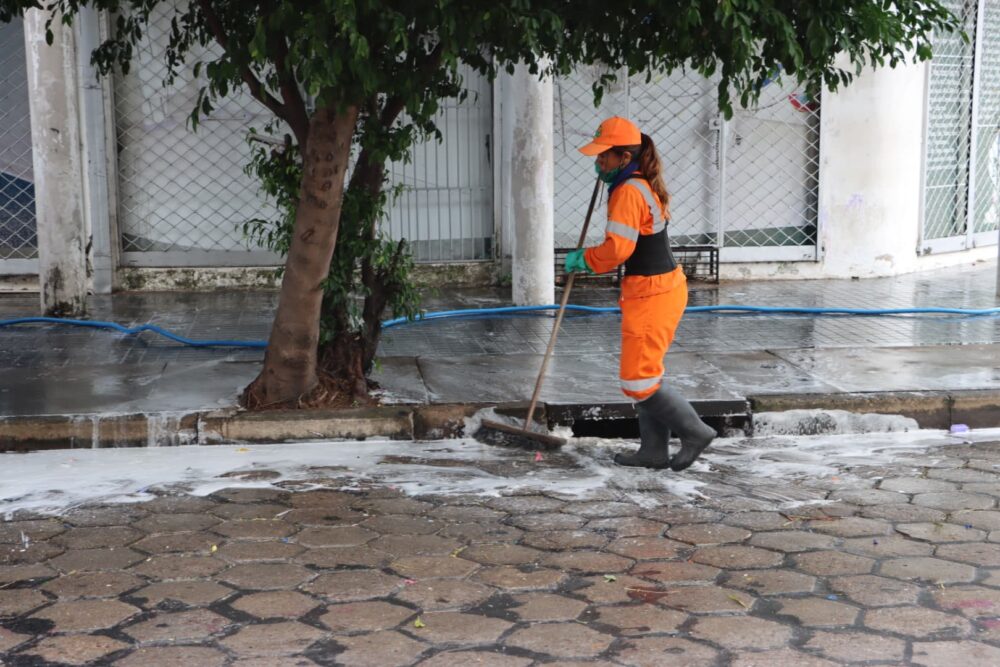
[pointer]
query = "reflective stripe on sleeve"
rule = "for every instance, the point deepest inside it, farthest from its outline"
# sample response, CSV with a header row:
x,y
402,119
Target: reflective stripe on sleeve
x,y
622,230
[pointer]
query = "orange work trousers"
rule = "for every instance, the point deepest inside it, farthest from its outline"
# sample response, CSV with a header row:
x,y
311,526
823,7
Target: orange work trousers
x,y
649,323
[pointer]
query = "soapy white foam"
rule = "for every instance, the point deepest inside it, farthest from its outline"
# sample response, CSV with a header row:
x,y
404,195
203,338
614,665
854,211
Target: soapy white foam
x,y
55,481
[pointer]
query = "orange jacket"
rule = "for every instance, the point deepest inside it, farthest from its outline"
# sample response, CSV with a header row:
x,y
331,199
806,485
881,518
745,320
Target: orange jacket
x,y
631,210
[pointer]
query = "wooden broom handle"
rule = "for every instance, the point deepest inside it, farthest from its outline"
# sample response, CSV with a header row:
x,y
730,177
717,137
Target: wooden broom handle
x,y
562,311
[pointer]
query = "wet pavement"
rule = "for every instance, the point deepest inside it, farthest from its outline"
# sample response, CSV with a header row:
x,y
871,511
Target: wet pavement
x,y
58,370
863,550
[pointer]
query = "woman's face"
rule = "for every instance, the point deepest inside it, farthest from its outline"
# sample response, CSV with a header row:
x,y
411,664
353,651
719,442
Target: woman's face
x,y
609,160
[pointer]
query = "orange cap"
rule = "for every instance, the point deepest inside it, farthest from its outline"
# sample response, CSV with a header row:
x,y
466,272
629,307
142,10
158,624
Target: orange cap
x,y
615,131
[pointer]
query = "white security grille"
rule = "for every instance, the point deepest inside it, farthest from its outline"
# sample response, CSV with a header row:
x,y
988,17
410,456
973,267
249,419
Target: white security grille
x,y
183,196
748,185
949,108
18,240
987,128
962,160
445,209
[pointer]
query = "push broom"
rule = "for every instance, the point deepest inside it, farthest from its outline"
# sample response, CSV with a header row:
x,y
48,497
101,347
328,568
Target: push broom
x,y
505,435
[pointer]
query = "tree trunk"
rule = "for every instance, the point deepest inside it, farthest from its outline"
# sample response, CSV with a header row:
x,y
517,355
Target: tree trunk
x,y
289,371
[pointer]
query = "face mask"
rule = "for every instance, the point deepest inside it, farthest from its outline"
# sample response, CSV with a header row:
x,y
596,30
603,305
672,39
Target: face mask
x,y
607,176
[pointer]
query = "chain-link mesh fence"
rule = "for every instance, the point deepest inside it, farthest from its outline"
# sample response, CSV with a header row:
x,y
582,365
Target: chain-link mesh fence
x,y
751,181
18,239
987,166
949,109
181,191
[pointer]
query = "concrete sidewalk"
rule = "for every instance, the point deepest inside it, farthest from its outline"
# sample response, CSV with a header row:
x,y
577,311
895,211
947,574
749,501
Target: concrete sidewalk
x,y
723,363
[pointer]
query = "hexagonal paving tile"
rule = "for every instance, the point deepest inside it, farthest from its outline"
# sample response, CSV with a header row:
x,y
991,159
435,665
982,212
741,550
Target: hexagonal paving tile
x,y
459,628
17,601
10,640
790,541
169,656
415,545
91,560
872,591
933,570
429,567
917,622
559,540
817,612
266,576
92,585
242,512
948,654
548,521
737,557
175,523
191,593
86,615
335,536
179,566
772,582
886,546
982,519
546,607
662,651
283,638
98,537
743,632
402,524
631,526
337,557
501,554
276,604
254,529
637,620
246,552
587,562
379,649
178,543
351,585
970,601
940,532
451,658
647,548
364,616
705,599
954,501
527,578
785,657
560,640
708,533
980,554
676,572
444,594
74,649
910,513
856,647
193,625
916,485
852,526
831,563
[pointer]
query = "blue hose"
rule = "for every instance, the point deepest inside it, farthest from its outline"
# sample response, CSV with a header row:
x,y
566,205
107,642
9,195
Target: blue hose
x,y
514,310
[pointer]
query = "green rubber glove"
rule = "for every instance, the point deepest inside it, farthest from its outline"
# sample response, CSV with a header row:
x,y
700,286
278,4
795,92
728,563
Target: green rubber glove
x,y
575,263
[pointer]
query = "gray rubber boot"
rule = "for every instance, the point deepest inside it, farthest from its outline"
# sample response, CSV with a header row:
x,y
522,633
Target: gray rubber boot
x,y
653,437
674,411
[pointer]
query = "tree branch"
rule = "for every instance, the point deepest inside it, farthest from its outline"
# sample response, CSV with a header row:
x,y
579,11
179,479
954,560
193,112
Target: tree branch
x,y
256,87
298,117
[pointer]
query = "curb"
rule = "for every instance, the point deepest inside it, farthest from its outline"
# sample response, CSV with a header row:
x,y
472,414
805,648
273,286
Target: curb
x,y
930,409
977,408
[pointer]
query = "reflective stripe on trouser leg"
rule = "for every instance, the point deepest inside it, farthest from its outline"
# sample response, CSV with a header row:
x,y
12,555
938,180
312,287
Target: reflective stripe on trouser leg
x,y
648,327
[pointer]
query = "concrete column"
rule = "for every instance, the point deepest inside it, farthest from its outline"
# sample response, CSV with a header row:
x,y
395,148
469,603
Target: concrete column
x,y
870,171
96,127
532,188
55,138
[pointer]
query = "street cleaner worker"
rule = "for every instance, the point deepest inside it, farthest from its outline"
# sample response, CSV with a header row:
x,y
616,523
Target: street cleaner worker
x,y
653,291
